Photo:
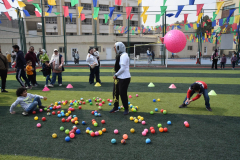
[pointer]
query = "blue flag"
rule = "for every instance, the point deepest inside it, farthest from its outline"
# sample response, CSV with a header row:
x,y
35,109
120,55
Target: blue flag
x,y
136,29
118,15
126,31
214,23
180,7
125,28
111,11
170,14
179,27
189,26
49,9
220,22
230,14
197,25
94,3
191,2
172,27
0,21
70,15
26,13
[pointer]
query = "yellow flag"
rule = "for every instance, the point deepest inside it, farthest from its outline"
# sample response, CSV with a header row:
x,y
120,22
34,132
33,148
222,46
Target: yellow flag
x,y
212,30
152,27
79,11
144,10
46,14
119,31
236,20
139,31
199,17
19,13
219,5
145,18
139,1
194,25
52,2
205,35
95,18
21,4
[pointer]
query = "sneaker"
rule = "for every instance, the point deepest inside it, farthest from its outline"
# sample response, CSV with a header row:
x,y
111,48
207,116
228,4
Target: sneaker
x,y
50,85
42,107
24,113
60,85
183,106
29,87
209,109
35,85
114,110
126,112
4,91
45,85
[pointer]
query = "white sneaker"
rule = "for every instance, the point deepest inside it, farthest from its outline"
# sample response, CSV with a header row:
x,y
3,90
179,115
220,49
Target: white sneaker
x,y
24,113
45,86
60,85
50,85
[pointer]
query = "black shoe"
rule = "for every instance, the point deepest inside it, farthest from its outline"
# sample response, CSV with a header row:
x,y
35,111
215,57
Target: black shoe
x,y
114,110
183,106
4,91
42,107
126,112
209,109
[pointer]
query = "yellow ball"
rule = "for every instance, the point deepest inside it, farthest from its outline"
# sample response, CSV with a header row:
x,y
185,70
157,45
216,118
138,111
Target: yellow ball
x,y
158,100
70,101
54,135
142,118
131,118
132,130
100,132
36,118
130,105
136,107
136,120
76,122
64,103
67,114
56,103
87,131
139,117
132,109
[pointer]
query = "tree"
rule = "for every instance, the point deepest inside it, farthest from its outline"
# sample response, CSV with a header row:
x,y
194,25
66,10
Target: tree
x,y
208,27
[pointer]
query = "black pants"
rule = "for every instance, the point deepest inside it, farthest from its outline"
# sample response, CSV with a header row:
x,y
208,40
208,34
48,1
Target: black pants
x,y
222,65
214,62
30,79
120,87
94,72
22,74
3,74
233,64
34,77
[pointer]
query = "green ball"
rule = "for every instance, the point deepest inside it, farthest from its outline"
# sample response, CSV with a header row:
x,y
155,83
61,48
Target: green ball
x,y
45,109
75,105
97,100
103,100
90,132
62,111
159,125
134,110
90,103
67,131
151,112
87,101
94,98
95,124
164,112
61,128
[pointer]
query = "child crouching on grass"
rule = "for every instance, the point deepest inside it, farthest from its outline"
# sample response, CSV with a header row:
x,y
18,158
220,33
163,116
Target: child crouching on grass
x,y
25,100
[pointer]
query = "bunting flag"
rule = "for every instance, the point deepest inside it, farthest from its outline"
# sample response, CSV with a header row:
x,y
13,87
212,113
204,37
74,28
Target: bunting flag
x,y
80,8
65,11
94,3
224,20
236,19
74,2
230,14
37,14
164,2
191,2
70,15
219,5
118,2
51,2
186,27
21,4
199,17
19,13
214,23
82,16
157,18
0,21
37,6
6,4
26,13
56,13
195,26
170,15
49,9
46,14
118,15
214,16
144,10
145,18
96,11
163,9
220,22
185,18
180,7
106,18
139,1
199,8
128,11
131,16
111,11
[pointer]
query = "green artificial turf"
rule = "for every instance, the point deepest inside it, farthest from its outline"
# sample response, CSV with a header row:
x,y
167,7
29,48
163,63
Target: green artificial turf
x,y
19,157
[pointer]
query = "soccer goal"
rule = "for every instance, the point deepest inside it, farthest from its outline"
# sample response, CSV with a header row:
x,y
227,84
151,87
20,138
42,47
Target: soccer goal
x,y
140,56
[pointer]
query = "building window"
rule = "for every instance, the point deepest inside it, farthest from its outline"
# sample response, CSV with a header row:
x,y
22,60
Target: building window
x,y
61,50
229,7
86,33
103,34
118,8
189,48
102,22
71,34
86,6
51,33
118,22
134,23
205,49
51,20
68,21
103,7
135,9
69,5
87,21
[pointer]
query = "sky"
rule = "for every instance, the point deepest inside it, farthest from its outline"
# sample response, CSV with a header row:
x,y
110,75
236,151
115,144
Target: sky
x,y
154,5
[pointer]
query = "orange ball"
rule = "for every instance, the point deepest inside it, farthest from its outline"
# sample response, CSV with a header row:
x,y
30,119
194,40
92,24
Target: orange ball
x,y
160,129
125,136
75,118
93,122
104,130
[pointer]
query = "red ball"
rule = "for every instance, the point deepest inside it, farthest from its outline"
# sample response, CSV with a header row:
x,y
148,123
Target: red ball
x,y
73,109
70,132
162,110
165,129
108,100
92,134
103,121
72,135
93,119
73,131
58,112
79,107
80,102
73,121
103,102
54,107
95,100
63,120
152,131
92,112
34,112
75,128
43,119
53,113
151,128
67,120
187,125
83,102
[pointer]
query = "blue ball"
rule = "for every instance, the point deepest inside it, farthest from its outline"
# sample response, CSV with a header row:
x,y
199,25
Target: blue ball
x,y
96,114
83,122
129,103
88,128
74,116
169,122
59,102
70,107
156,109
59,115
148,141
78,131
75,101
71,103
99,114
119,108
131,106
62,111
154,100
113,141
109,104
90,100
50,108
67,139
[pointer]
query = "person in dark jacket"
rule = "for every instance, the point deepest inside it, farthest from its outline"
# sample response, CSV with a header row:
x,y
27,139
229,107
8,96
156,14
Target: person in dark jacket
x,y
214,58
223,61
20,67
234,60
153,55
3,70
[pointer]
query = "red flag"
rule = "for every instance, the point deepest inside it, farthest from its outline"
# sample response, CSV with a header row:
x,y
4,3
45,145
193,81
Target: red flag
x,y
160,28
7,4
199,8
128,11
181,24
82,15
37,14
144,30
118,2
185,18
6,13
234,26
203,24
65,10
191,25
131,16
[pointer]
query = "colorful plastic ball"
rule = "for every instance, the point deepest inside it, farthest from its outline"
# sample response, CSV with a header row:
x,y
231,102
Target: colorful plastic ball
x,y
54,135
136,120
187,125
96,133
90,103
146,130
96,114
67,114
72,135
92,134
76,122
131,118
185,122
110,101
40,110
95,124
165,129
104,129
34,112
83,103
159,125
53,113
125,136
87,131
136,95
103,102
67,120
119,108
109,104
43,119
67,139
39,125
83,122
134,110
156,109
35,118
123,141
152,131
130,96
113,141
73,121
64,103
164,112
151,112
115,131
161,129
67,131
78,131
58,112
61,128
144,133
151,128
154,100
143,122
79,107
75,118
92,112
103,121
100,104
142,118
63,120
87,101
158,100
71,104
148,141
100,108
51,108
100,132
169,122
45,109
132,130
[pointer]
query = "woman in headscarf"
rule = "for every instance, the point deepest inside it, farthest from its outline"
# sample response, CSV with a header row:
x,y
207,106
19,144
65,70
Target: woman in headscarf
x,y
57,68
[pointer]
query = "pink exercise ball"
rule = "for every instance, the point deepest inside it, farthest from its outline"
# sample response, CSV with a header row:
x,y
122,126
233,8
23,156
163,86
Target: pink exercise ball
x,y
175,41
